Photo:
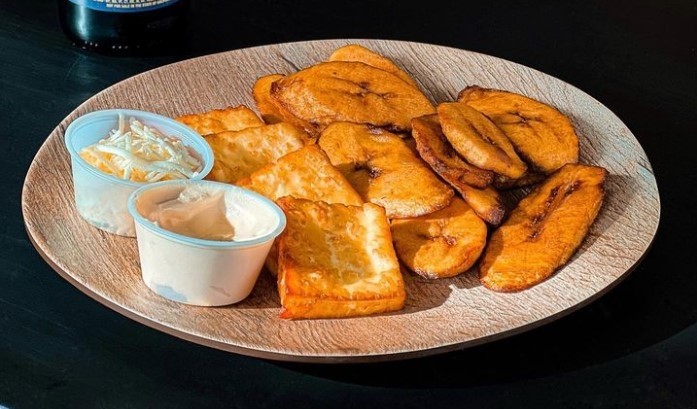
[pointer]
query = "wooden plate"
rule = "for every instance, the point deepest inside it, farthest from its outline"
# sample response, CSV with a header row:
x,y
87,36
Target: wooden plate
x,y
440,315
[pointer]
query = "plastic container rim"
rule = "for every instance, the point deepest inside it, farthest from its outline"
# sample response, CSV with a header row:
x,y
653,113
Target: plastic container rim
x,y
144,222
75,125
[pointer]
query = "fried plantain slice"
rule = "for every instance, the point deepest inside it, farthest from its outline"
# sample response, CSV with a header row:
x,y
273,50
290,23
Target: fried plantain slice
x,y
261,92
440,244
273,112
479,140
221,120
544,230
541,135
384,170
349,91
355,52
486,203
240,153
529,178
436,150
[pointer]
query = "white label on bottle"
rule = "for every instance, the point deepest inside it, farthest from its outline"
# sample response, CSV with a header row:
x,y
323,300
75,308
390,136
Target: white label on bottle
x,y
124,6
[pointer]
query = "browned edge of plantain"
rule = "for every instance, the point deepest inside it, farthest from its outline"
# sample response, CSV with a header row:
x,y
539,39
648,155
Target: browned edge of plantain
x,y
486,203
261,92
529,178
435,149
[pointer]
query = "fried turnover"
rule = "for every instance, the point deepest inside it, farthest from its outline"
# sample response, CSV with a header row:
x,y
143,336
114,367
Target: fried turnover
x,y
261,92
337,261
544,230
355,52
238,154
479,140
349,91
304,174
436,150
441,244
542,135
220,120
384,170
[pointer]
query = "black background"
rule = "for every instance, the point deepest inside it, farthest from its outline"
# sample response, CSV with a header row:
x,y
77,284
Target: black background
x,y
635,347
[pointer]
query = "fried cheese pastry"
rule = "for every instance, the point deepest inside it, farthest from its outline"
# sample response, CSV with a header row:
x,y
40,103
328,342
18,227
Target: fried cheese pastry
x,y
305,174
238,154
337,261
220,120
544,230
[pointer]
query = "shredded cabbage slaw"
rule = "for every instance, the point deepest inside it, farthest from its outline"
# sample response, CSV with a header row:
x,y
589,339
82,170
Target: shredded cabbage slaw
x,y
140,153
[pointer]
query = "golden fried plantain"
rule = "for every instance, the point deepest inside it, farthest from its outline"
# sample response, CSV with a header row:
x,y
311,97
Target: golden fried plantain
x,y
441,244
384,170
355,52
541,135
544,230
349,91
221,120
486,203
261,92
273,111
337,261
240,153
436,150
479,140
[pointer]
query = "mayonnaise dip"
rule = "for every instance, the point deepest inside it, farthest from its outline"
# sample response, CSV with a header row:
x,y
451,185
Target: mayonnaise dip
x,y
209,213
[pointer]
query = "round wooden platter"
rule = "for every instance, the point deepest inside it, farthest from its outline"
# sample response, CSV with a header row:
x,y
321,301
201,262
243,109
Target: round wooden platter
x,y
440,315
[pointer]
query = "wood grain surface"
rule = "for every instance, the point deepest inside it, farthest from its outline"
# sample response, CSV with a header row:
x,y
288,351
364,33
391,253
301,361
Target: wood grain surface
x,y
440,315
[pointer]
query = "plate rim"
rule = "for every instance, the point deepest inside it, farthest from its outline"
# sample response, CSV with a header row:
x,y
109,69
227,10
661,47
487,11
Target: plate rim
x,y
334,358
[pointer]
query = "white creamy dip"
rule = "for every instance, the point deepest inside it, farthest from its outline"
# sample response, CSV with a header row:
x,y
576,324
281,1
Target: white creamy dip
x,y
207,213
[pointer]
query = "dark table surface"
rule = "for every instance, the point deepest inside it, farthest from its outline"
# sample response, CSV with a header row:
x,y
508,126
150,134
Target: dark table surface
x,y
634,347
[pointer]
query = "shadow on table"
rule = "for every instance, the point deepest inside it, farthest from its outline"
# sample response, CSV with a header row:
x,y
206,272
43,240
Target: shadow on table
x,y
635,315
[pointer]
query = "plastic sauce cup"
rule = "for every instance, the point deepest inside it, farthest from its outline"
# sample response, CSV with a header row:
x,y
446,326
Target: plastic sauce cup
x,y
101,199
197,271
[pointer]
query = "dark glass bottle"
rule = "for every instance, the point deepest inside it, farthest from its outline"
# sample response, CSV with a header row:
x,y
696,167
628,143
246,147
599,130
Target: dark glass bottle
x,y
122,26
